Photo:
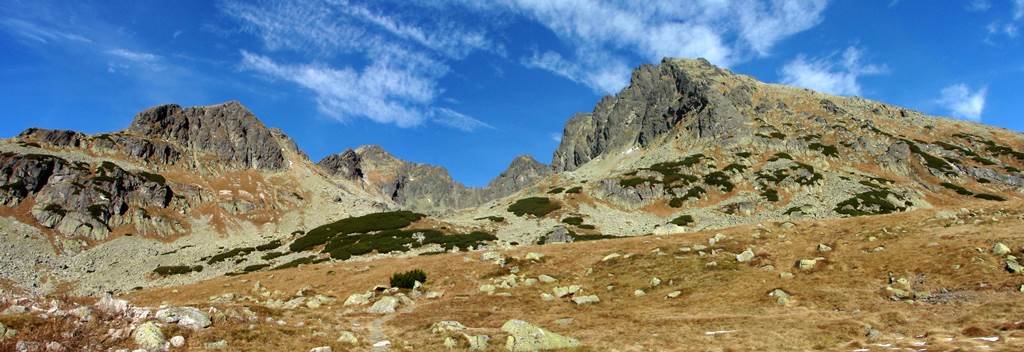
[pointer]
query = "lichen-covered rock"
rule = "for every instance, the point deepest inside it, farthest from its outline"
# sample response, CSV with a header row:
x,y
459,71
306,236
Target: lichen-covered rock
x,y
187,317
384,305
149,336
524,336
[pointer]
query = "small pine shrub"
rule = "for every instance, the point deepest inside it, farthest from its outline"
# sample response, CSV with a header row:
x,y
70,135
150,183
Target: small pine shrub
x,y
536,206
408,279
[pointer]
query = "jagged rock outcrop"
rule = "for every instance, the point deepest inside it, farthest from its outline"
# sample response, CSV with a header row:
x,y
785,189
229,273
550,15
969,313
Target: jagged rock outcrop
x,y
227,132
658,98
425,187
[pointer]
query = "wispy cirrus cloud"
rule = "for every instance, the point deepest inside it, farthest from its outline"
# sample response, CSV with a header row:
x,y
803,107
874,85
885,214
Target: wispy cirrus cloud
x,y
39,32
404,59
604,37
963,102
835,74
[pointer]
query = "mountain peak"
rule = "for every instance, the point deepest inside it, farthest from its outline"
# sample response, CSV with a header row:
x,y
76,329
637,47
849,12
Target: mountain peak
x,y
228,131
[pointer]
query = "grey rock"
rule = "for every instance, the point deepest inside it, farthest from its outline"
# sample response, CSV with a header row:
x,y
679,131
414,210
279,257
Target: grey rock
x,y
187,317
524,336
559,235
149,336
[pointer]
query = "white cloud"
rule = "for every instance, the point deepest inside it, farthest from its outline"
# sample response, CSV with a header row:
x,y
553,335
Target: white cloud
x,y
979,5
1018,9
557,137
404,57
962,102
457,120
40,33
604,36
833,75
135,56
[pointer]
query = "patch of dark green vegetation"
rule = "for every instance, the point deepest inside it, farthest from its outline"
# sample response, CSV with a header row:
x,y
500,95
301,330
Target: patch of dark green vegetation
x,y
780,155
719,179
256,267
97,211
1011,169
958,189
871,184
408,279
636,181
151,177
955,148
492,218
987,196
301,261
695,192
744,154
344,247
770,194
536,206
269,245
984,180
682,220
983,161
869,203
931,161
573,220
586,226
56,209
177,270
360,224
735,168
556,190
594,237
574,190
230,254
272,255
1000,150
825,149
793,210
774,135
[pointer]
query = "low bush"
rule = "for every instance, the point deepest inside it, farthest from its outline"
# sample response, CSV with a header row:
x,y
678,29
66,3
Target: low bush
x,y
359,224
682,220
177,269
230,254
408,279
556,190
492,218
574,190
959,190
536,206
987,196
573,220
270,245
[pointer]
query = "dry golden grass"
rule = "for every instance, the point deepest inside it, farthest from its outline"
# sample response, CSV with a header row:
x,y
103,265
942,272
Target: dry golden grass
x,y
834,304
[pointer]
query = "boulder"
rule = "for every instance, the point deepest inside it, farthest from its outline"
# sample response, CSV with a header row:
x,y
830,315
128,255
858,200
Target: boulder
x,y
745,256
584,300
1000,249
824,248
546,279
445,327
487,288
674,294
562,291
384,305
610,257
216,345
321,349
806,264
477,342
110,305
149,336
177,341
638,293
1014,267
187,317
359,299
534,256
348,337
781,297
655,282
524,336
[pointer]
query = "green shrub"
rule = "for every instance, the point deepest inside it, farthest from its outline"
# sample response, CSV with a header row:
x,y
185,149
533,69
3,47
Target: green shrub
x,y
744,154
574,190
582,238
586,227
344,247
151,177
460,241
492,218
825,149
177,269
770,194
720,180
536,206
636,181
230,254
735,168
556,190
695,192
360,224
987,196
983,161
269,245
780,155
868,203
676,202
682,220
272,255
573,220
256,267
408,279
300,261
959,190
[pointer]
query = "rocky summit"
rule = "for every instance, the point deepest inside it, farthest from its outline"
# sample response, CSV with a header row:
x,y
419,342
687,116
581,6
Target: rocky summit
x,y
695,208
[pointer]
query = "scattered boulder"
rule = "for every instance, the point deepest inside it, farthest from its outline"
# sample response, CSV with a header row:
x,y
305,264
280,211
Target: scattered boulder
x,y
83,313
524,336
322,349
477,342
216,345
487,288
1000,249
745,256
546,279
177,341
639,293
111,305
1013,266
717,238
534,256
562,291
384,305
674,294
445,327
187,317
655,282
492,257
781,297
358,299
347,337
806,264
612,256
584,300
149,336
824,248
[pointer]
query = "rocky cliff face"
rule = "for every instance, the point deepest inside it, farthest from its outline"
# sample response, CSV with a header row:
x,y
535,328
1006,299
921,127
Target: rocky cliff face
x,y
228,132
426,187
685,93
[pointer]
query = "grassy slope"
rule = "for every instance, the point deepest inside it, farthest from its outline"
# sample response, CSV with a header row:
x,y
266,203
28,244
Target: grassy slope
x,y
833,304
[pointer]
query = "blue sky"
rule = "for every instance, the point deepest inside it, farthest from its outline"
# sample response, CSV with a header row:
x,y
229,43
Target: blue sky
x,y
470,84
